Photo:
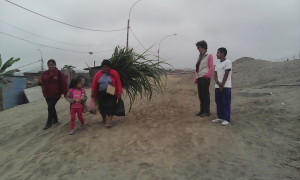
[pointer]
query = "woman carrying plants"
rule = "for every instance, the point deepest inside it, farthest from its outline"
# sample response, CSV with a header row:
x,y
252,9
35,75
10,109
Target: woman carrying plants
x,y
106,89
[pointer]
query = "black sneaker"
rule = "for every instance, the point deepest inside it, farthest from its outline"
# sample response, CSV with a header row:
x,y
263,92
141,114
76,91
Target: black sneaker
x,y
205,114
47,127
199,113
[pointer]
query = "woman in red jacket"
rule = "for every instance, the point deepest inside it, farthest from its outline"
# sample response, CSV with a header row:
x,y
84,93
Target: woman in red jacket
x,y
53,84
106,101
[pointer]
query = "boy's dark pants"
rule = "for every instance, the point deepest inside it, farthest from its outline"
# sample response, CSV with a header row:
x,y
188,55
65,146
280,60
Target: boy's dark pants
x,y
203,92
52,111
223,102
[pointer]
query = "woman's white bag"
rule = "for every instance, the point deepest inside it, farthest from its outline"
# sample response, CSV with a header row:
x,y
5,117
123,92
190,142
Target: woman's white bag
x,y
110,90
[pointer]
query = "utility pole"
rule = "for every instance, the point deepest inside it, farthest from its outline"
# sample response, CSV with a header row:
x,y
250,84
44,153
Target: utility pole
x,y
161,42
127,33
128,26
42,60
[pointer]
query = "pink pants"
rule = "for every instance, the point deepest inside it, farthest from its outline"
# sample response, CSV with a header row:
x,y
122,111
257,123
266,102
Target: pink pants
x,y
73,112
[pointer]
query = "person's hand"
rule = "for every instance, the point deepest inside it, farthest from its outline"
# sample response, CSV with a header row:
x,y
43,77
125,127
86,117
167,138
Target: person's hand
x,y
119,95
77,100
40,81
221,89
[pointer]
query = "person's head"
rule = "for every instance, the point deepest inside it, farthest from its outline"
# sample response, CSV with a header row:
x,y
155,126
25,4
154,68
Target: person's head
x,y
75,83
222,52
201,46
106,65
51,64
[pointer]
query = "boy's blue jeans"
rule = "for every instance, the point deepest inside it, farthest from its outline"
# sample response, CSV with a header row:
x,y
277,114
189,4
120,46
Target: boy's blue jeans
x,y
223,102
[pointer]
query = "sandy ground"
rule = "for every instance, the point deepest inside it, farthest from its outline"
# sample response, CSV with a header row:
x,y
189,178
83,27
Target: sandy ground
x,y
163,139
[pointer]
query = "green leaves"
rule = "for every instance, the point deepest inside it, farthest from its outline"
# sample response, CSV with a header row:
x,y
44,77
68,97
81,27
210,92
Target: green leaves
x,y
69,67
3,67
140,75
7,64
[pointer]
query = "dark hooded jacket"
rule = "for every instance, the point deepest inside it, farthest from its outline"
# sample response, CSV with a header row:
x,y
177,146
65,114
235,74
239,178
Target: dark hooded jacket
x,y
54,84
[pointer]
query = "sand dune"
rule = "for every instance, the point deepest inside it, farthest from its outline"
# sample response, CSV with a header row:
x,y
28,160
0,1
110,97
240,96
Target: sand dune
x,y
163,139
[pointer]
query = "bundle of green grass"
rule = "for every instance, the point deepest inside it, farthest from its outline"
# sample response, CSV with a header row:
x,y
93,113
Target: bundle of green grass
x,y
140,75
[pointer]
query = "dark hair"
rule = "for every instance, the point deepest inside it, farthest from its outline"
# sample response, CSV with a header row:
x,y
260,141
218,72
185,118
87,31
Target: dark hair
x,y
74,83
202,44
223,50
106,62
51,61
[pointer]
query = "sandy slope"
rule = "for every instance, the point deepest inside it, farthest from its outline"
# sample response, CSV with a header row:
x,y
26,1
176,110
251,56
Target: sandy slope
x,y
162,139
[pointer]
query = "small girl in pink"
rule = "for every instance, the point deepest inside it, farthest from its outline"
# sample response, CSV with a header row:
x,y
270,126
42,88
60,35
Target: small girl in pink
x,y
76,97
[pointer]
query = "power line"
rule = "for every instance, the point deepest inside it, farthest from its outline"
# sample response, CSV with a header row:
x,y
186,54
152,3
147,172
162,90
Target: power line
x,y
33,68
101,30
141,43
28,64
100,45
43,36
121,39
43,45
137,39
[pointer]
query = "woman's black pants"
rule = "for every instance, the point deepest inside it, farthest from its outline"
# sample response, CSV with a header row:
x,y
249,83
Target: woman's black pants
x,y
52,116
203,92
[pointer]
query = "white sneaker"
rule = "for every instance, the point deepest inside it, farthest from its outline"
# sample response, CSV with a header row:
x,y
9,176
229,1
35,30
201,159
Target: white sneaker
x,y
72,131
217,120
225,123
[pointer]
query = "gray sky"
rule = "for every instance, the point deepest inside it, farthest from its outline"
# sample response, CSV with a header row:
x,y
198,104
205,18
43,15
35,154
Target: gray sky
x,y
262,29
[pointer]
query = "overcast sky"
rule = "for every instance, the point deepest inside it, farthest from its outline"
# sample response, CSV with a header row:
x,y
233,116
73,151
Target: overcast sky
x,y
262,29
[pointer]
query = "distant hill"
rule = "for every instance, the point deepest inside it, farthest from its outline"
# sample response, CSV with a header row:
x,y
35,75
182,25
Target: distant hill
x,y
248,72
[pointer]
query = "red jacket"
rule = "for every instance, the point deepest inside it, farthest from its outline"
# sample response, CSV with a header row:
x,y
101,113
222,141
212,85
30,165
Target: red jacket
x,y
116,81
54,84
